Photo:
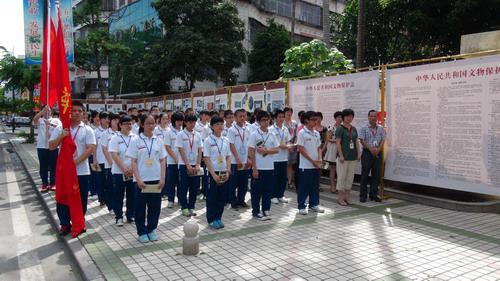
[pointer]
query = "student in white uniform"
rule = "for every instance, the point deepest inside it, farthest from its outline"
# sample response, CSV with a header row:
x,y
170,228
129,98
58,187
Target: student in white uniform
x,y
122,171
238,137
99,159
161,131
217,158
84,139
203,128
190,146
108,162
309,146
46,158
173,157
148,163
262,146
280,159
228,122
94,175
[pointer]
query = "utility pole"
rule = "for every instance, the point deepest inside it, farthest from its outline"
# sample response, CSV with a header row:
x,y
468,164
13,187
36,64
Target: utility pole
x,y
360,42
326,22
292,31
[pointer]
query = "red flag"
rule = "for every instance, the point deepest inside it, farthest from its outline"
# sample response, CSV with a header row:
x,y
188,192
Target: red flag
x,y
46,64
68,191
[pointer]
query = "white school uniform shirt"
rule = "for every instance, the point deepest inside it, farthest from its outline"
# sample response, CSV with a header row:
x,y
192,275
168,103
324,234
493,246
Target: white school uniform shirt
x,y
160,132
203,130
143,148
267,140
45,130
98,150
283,136
311,141
119,144
190,142
253,127
135,129
169,140
104,143
239,137
83,135
225,131
215,147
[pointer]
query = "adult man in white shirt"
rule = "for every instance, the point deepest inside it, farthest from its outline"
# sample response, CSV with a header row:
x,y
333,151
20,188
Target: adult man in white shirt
x,y
46,158
84,139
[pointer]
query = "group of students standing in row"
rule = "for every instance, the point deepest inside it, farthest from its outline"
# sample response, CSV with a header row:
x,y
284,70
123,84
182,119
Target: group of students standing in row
x,y
145,156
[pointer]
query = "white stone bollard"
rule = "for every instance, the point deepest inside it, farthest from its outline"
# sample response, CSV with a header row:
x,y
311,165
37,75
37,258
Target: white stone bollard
x,y
191,240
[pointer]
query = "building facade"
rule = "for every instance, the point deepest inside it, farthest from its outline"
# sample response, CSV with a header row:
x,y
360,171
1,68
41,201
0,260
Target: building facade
x,y
138,17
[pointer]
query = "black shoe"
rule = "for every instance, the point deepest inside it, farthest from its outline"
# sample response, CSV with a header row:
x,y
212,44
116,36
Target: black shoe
x,y
130,220
376,199
64,230
362,200
244,205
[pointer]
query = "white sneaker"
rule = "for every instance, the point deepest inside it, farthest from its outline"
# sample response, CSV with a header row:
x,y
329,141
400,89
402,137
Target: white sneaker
x,y
283,200
303,211
119,222
267,214
316,209
170,205
275,201
111,213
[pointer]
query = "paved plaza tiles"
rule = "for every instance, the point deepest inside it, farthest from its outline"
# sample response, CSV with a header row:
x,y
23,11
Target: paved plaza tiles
x,y
393,240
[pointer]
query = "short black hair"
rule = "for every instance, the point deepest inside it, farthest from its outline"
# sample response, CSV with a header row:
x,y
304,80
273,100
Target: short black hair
x,y
77,103
228,113
154,106
143,118
204,112
214,112
103,114
371,111
131,109
278,112
190,118
337,114
112,116
178,116
347,112
319,114
288,109
93,114
216,120
238,111
125,119
301,113
262,114
135,118
121,113
309,115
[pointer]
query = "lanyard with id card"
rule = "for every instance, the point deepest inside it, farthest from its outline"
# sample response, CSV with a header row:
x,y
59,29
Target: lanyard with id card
x,y
281,133
191,152
374,135
149,161
220,158
75,155
351,143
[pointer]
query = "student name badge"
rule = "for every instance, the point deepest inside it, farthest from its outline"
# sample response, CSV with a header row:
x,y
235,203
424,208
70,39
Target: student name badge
x,y
192,158
220,160
282,142
149,163
351,145
375,143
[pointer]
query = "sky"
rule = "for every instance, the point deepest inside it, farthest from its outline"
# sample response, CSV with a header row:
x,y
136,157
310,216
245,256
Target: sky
x,y
12,26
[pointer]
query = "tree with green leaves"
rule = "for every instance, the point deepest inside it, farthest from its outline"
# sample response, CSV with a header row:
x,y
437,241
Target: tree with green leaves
x,y
268,52
398,30
203,39
16,76
93,50
312,58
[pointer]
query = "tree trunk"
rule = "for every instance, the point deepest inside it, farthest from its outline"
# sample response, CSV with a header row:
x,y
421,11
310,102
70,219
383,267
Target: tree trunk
x,y
99,77
326,22
360,46
31,138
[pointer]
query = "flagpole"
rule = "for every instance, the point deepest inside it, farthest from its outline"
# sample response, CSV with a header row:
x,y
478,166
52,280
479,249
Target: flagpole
x,y
47,28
